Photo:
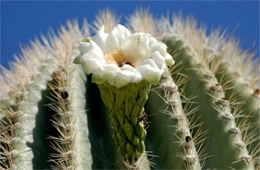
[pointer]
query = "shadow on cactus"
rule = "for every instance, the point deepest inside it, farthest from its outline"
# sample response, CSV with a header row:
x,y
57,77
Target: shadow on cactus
x,y
154,94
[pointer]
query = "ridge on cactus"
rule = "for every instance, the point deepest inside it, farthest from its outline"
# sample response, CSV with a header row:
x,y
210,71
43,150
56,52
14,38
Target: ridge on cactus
x,y
153,94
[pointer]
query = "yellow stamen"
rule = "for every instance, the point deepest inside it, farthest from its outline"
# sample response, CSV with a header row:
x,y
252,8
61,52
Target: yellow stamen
x,y
119,58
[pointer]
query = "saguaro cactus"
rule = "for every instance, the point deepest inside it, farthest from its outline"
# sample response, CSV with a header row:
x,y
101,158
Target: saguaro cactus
x,y
155,95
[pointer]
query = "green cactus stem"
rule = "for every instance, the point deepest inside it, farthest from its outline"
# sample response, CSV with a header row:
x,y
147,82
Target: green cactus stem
x,y
126,108
82,147
248,97
238,90
103,149
32,148
214,112
172,139
71,146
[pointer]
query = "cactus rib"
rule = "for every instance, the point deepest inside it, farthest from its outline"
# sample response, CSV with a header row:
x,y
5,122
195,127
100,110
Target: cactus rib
x,y
246,102
173,139
70,120
214,112
32,145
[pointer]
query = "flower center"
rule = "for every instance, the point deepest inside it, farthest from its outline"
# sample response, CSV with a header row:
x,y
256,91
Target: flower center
x,y
119,58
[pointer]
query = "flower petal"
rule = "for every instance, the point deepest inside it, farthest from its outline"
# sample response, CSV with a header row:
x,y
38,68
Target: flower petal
x,y
162,48
91,64
150,62
115,38
152,41
136,76
159,46
168,60
105,73
109,70
123,31
85,47
137,45
94,54
100,38
159,60
122,78
149,73
127,67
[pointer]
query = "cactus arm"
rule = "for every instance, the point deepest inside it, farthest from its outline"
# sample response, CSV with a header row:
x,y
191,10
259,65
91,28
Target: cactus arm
x,y
169,137
214,113
70,142
81,143
11,127
32,148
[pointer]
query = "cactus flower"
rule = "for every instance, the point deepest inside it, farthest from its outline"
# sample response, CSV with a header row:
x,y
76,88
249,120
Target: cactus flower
x,y
124,66
120,57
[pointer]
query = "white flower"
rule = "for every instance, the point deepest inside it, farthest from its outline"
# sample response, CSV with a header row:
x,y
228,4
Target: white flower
x,y
120,57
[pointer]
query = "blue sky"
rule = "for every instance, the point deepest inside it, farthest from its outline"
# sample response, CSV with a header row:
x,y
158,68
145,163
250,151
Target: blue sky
x,y
22,21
